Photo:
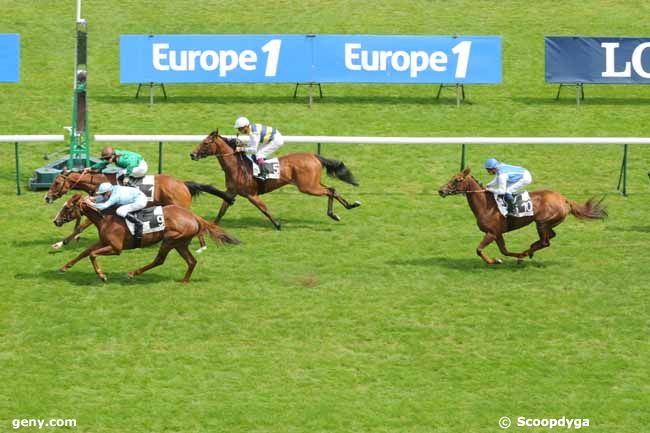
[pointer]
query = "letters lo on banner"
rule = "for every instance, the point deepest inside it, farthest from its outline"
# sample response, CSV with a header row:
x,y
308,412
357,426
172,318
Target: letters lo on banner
x,y
600,60
9,58
298,58
408,59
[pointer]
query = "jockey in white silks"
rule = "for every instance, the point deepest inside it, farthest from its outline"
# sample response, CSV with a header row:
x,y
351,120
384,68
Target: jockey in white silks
x,y
509,179
128,199
263,140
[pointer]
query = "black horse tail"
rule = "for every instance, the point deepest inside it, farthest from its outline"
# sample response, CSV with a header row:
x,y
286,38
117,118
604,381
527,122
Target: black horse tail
x,y
198,188
216,233
338,170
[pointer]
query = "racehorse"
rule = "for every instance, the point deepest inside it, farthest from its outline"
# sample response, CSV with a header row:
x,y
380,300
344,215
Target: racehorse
x,y
301,169
168,190
181,225
551,208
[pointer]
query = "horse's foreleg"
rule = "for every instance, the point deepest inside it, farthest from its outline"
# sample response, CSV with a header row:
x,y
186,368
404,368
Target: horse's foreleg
x,y
222,211
84,254
165,248
78,228
255,199
189,259
103,251
502,247
487,240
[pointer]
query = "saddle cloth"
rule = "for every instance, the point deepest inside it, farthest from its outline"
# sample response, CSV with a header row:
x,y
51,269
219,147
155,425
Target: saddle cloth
x,y
523,205
152,219
146,184
272,169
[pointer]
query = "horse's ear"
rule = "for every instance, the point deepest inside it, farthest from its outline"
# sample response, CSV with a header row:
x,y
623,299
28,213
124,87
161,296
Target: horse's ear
x,y
467,171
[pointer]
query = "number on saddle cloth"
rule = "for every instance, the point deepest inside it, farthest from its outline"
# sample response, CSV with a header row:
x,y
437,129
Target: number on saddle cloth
x,y
152,219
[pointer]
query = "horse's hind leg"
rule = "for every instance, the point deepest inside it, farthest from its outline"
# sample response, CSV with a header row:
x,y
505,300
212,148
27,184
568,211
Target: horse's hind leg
x,y
255,199
546,233
222,211
501,242
202,243
189,259
165,248
343,201
319,190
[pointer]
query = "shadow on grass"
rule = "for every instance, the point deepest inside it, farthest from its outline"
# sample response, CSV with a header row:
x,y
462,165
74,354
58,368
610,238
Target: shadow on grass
x,y
275,99
471,264
570,100
641,229
89,278
261,222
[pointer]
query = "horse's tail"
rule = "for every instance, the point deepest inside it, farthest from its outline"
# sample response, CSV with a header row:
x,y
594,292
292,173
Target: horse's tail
x,y
590,210
197,188
216,233
338,170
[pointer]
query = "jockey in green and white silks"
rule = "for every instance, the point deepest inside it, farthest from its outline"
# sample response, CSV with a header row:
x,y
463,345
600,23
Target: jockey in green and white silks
x,y
263,140
131,164
509,179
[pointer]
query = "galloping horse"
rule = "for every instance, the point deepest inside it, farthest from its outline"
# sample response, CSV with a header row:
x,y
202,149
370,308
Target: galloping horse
x,y
168,190
181,225
301,169
551,208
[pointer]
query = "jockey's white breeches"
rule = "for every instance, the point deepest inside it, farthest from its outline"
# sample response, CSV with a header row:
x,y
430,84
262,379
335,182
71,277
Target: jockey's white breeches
x,y
140,203
271,147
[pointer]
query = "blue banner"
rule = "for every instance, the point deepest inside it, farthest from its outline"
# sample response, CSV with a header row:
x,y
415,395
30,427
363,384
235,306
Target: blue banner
x,y
308,58
603,60
9,58
407,59
214,58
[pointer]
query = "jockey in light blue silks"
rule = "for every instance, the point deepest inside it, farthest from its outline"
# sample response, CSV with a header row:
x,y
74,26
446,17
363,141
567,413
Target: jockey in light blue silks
x,y
262,141
129,200
509,179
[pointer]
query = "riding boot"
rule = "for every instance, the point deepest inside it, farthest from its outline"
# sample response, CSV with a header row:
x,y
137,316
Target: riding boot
x,y
137,231
510,201
263,172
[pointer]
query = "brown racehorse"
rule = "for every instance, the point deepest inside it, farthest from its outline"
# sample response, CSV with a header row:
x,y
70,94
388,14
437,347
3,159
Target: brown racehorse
x,y
181,225
301,169
168,190
551,208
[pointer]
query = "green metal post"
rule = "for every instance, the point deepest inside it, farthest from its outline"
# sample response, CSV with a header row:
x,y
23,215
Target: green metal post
x,y
622,177
160,157
318,148
17,152
463,157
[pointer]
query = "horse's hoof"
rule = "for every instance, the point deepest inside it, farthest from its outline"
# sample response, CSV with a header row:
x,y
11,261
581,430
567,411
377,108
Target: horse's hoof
x,y
103,277
355,204
278,227
334,216
58,245
520,261
200,250
77,237
497,262
63,270
130,275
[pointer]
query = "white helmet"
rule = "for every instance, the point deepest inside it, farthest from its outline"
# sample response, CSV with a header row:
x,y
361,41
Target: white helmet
x,y
241,122
104,188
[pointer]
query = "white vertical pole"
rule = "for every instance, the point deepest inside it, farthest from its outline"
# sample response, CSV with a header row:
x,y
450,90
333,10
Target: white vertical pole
x,y
78,10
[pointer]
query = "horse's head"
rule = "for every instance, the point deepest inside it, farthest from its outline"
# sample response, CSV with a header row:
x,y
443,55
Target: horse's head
x,y
213,144
458,184
71,210
60,186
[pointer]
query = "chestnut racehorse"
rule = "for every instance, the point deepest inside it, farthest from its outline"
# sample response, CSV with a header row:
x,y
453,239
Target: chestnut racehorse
x,y
168,190
181,225
551,208
301,169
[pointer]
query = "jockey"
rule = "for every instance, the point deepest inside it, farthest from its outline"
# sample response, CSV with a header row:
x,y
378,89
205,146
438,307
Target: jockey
x,y
262,141
132,164
129,200
509,180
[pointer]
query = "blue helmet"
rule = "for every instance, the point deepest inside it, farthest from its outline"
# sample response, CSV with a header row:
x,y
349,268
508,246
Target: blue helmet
x,y
104,188
491,163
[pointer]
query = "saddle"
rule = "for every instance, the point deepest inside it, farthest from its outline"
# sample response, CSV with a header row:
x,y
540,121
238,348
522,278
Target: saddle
x,y
522,205
152,220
